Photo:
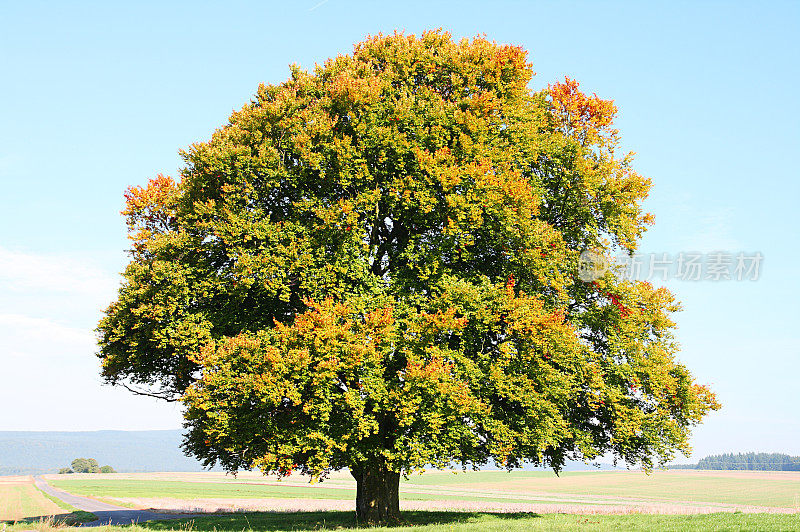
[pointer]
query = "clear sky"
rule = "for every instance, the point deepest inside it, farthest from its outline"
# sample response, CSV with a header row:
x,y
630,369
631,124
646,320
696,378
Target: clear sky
x,y
96,97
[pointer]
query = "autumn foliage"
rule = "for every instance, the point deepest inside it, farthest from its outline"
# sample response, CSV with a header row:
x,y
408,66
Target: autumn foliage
x,y
374,266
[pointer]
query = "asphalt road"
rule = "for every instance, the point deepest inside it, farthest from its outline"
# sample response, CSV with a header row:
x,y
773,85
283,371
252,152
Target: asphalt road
x,y
108,514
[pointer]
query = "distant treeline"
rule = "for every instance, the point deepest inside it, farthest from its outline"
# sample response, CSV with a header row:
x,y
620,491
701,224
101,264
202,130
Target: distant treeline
x,y
746,461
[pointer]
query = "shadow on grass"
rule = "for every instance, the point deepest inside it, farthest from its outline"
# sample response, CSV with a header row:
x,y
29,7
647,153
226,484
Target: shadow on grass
x,y
237,522
66,519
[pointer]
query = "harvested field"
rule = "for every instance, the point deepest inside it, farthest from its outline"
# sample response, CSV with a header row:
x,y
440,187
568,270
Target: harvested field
x,y
19,499
600,492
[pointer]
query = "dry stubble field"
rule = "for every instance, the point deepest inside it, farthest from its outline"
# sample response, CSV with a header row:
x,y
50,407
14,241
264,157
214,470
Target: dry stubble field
x,y
20,499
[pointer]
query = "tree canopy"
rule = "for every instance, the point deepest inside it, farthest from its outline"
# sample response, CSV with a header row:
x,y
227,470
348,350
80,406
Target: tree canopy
x,y
85,465
374,266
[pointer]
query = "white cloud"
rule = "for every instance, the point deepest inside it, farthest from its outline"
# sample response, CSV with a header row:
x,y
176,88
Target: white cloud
x,y
713,231
52,273
49,371
50,380
27,337
687,222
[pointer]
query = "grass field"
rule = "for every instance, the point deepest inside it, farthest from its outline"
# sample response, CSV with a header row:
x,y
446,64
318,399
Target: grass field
x,y
462,522
728,487
579,492
489,500
127,489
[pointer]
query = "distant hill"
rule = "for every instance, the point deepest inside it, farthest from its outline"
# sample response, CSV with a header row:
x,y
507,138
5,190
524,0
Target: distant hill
x,y
746,462
126,451
30,453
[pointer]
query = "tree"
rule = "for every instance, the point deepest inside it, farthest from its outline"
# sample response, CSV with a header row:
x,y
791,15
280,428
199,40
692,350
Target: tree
x,y
65,471
374,266
85,465
107,469
751,461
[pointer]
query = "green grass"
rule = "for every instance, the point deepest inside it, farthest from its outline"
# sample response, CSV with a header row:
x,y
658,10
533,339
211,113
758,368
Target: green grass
x,y
781,491
74,516
775,490
495,486
102,488
194,490
70,519
458,521
207,490
464,522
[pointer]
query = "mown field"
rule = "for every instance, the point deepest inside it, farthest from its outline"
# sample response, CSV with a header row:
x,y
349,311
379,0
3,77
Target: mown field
x,y
582,492
20,500
489,500
754,488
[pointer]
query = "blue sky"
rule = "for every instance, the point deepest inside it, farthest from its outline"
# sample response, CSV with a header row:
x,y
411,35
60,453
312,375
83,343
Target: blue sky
x,y
97,97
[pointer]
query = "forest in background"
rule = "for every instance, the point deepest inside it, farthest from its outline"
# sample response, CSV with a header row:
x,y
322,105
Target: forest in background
x,y
746,462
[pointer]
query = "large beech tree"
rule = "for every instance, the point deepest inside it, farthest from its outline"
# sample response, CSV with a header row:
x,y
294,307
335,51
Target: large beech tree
x,y
374,266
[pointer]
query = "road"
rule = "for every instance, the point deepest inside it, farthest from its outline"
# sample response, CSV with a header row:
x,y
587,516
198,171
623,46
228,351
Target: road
x,y
107,514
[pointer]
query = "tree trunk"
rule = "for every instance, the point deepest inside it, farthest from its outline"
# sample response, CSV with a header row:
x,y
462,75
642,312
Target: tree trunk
x,y
377,493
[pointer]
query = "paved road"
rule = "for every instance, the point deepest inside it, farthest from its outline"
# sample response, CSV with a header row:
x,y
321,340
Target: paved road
x,y
108,514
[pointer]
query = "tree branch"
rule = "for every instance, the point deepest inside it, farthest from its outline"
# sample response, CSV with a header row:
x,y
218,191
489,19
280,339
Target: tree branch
x,y
169,399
